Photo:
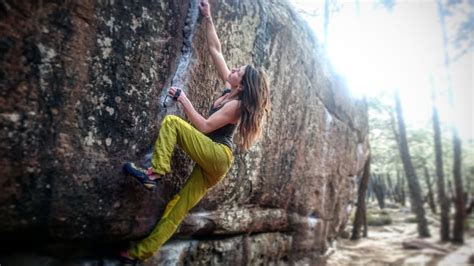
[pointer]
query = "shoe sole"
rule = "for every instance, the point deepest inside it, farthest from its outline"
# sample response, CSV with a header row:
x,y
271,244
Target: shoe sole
x,y
149,186
131,169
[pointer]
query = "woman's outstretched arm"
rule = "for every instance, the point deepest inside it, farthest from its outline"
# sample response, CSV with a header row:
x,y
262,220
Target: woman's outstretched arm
x,y
213,41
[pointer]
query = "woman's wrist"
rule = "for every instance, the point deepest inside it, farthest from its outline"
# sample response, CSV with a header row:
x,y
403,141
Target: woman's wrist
x,y
182,99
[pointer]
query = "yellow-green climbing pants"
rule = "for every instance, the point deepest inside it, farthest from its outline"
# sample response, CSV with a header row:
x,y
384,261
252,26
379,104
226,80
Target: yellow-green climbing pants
x,y
213,160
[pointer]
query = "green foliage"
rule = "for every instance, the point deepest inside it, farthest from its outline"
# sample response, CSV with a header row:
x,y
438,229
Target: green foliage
x,y
384,147
385,154
411,220
469,222
468,166
378,219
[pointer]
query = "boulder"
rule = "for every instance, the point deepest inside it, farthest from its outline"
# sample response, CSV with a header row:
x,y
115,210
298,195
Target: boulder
x,y
83,84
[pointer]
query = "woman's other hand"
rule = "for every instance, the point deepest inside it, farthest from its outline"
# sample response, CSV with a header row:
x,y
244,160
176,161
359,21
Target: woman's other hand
x,y
205,8
172,92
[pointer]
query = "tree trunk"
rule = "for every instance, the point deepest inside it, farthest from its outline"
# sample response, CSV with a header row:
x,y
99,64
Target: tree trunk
x,y
451,191
378,187
403,192
366,227
361,211
402,188
442,199
370,192
389,187
458,227
430,196
397,139
413,185
470,206
399,190
396,190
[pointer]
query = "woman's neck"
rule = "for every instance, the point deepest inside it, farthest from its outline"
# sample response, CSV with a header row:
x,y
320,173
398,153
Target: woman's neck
x,y
233,94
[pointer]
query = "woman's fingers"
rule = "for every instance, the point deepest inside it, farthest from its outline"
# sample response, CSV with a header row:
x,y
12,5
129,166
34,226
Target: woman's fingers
x,y
172,91
204,7
175,93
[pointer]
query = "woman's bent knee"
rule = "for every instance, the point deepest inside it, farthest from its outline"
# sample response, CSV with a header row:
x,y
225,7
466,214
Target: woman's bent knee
x,y
169,119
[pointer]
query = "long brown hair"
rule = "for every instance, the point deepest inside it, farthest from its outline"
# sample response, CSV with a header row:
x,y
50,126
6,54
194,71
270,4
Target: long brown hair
x,y
254,106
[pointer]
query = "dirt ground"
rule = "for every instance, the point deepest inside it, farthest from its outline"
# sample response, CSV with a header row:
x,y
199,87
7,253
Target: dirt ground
x,y
383,246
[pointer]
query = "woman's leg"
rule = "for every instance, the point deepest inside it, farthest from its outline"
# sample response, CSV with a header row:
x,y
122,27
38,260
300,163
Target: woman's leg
x,y
175,211
215,159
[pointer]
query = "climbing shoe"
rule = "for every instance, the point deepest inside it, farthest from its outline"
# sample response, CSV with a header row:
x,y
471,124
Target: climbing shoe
x,y
142,175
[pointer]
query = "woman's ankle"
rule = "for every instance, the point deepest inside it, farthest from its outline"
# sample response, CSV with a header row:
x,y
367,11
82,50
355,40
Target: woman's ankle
x,y
152,174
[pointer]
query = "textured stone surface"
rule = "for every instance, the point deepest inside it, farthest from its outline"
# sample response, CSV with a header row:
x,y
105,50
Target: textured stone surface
x,y
258,249
81,86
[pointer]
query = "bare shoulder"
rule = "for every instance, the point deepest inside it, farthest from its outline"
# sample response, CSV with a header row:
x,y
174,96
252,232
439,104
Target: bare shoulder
x,y
234,104
232,108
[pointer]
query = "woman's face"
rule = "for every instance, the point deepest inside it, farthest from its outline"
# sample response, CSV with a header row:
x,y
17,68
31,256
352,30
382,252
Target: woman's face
x,y
235,76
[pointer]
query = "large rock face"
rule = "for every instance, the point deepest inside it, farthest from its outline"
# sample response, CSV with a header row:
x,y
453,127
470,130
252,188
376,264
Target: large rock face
x,y
81,90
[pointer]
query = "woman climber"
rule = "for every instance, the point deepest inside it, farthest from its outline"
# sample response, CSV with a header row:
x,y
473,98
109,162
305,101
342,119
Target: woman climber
x,y
243,103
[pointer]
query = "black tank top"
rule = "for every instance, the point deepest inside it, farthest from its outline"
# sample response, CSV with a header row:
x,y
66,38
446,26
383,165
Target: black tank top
x,y
223,134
